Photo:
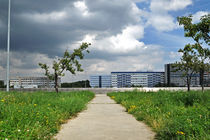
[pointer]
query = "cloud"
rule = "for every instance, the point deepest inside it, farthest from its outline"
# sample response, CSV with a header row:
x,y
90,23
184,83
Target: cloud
x,y
196,17
124,42
40,31
162,23
159,16
175,55
45,17
39,28
138,1
81,6
169,5
146,60
1,24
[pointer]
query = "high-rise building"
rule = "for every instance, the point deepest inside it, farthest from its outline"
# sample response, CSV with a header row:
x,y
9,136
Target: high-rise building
x,y
33,82
129,79
175,78
100,81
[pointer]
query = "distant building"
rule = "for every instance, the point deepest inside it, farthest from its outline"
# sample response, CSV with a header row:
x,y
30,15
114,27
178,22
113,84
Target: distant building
x,y
206,79
33,82
100,81
129,79
175,78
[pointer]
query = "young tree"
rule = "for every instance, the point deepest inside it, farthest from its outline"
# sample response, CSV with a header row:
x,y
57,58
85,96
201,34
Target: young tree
x,y
69,62
188,64
199,32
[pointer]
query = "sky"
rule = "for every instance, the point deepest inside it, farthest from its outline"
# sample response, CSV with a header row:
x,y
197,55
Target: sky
x,y
126,35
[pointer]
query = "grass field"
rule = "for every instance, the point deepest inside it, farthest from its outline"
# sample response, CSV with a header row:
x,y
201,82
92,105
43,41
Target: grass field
x,y
38,115
172,115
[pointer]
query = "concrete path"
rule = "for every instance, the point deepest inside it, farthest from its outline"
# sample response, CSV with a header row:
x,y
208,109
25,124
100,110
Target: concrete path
x,y
104,120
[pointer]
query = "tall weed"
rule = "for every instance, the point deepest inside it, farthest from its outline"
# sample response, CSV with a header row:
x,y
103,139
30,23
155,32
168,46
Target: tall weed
x,y
172,114
38,115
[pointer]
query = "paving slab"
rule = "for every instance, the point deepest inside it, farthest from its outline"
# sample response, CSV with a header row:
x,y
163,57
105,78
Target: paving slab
x,y
104,120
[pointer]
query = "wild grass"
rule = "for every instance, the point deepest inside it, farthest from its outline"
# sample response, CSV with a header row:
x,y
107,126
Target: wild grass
x,y
38,115
172,115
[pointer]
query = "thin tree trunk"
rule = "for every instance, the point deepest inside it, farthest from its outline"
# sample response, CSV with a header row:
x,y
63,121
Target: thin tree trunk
x,y
56,82
202,79
188,87
188,83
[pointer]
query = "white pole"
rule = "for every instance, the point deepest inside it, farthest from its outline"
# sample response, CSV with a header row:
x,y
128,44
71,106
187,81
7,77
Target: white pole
x,y
8,45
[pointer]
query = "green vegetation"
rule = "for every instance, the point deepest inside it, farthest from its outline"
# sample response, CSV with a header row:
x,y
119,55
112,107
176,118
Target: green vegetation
x,y
195,57
173,115
38,115
78,84
2,84
69,62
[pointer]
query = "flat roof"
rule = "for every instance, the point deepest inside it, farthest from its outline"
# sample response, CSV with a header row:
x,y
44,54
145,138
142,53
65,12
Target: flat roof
x,y
137,72
99,75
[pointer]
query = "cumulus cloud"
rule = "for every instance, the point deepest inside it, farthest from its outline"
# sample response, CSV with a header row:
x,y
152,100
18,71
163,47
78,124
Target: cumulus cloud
x,y
23,63
81,6
162,23
175,55
124,42
40,31
169,5
159,16
143,61
196,17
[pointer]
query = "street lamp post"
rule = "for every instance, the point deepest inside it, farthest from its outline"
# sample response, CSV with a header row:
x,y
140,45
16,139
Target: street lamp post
x,y
8,45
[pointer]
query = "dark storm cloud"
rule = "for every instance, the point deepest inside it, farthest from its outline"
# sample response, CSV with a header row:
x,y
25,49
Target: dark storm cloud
x,y
19,6
28,34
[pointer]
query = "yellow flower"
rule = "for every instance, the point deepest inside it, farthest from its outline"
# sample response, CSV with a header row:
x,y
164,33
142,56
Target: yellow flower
x,y
35,104
133,107
112,97
180,132
2,100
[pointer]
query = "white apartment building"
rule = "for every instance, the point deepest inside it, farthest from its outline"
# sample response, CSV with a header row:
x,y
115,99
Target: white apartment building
x,y
100,81
129,79
33,82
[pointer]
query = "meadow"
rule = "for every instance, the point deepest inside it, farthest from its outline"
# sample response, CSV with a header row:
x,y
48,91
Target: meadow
x,y
172,115
38,115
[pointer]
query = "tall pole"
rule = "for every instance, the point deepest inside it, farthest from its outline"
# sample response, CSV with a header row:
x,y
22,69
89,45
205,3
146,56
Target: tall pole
x,y
8,45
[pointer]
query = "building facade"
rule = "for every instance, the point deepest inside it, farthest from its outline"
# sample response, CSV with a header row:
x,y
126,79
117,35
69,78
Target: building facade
x,y
100,81
206,79
175,78
33,82
129,79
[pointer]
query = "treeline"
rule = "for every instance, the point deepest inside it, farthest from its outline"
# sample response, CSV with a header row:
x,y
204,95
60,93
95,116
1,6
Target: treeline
x,y
78,84
2,84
